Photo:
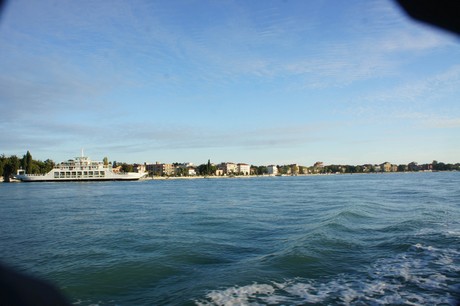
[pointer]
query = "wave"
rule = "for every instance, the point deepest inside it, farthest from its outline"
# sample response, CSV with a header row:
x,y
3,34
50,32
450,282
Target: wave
x,y
423,275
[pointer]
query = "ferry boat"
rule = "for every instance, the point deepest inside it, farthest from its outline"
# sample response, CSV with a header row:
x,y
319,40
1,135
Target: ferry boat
x,y
79,169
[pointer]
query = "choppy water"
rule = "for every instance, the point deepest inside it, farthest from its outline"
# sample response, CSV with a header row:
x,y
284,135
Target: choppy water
x,y
350,239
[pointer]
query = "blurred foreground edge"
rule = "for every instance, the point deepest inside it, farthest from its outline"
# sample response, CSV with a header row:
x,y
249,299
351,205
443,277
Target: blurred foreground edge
x,y
441,13
23,290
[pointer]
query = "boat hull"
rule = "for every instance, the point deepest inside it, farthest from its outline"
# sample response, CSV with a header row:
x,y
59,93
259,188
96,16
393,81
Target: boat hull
x,y
78,180
82,169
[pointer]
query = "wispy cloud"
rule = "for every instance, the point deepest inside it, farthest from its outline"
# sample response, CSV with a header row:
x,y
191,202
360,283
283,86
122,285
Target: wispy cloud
x,y
119,74
430,95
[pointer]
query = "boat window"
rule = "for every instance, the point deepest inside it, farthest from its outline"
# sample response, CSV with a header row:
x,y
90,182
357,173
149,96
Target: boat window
x,y
56,174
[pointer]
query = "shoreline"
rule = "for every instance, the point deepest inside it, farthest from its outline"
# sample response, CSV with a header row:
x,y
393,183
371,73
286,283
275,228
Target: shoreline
x,y
271,176
197,177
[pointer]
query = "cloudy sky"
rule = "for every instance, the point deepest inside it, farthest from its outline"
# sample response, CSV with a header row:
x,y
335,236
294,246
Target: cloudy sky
x,y
259,82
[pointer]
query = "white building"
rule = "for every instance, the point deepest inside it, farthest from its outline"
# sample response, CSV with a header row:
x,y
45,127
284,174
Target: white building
x,y
228,168
245,169
272,170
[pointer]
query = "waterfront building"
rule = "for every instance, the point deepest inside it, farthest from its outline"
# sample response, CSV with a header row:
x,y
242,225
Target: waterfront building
x,y
140,168
272,170
187,169
161,169
228,168
244,169
386,167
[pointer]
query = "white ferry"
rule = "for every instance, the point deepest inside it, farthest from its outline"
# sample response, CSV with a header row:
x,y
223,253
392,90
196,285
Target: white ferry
x,y
79,169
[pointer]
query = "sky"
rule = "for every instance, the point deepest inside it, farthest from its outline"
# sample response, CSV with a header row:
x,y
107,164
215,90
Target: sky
x,y
259,82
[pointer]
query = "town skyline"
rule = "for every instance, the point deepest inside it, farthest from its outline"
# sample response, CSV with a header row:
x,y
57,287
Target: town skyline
x,y
213,161
11,164
261,82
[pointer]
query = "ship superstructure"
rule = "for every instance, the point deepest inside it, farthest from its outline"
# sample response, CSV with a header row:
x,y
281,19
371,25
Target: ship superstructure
x,y
80,169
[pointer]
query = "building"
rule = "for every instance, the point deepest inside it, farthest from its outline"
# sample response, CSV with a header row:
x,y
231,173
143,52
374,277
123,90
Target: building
x,y
187,169
244,169
161,169
140,168
228,168
272,170
386,167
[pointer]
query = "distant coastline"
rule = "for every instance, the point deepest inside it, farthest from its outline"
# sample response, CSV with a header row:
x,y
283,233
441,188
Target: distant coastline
x,y
162,178
161,171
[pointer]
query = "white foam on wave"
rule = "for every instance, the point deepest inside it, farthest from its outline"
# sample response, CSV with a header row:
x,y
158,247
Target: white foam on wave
x,y
424,275
239,295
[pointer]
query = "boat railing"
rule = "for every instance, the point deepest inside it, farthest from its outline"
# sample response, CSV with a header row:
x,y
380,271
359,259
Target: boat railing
x,y
35,174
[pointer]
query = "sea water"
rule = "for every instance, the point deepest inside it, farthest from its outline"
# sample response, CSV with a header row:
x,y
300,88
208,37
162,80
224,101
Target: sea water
x,y
341,239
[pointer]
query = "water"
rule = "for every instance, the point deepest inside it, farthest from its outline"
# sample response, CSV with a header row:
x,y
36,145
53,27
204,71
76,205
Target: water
x,y
349,239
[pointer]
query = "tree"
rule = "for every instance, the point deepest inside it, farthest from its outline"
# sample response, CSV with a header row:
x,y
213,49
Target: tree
x,y
48,166
206,169
203,169
2,159
105,161
10,167
181,171
29,162
127,167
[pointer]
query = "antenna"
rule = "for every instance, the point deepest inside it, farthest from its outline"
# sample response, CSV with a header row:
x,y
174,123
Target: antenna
x,y
82,152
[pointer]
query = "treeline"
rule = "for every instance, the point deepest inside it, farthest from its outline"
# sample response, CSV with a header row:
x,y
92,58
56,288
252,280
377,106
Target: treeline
x,y
10,165
368,168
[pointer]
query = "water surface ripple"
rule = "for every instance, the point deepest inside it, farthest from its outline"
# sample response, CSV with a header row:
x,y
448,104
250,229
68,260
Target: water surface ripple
x,y
348,239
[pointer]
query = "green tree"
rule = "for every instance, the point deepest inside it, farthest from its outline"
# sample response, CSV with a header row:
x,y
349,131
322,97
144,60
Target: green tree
x,y
105,161
127,167
24,162
29,162
181,171
11,167
47,167
202,169
2,161
206,169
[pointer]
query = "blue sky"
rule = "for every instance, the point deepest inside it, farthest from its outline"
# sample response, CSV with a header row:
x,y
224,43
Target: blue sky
x,y
259,82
